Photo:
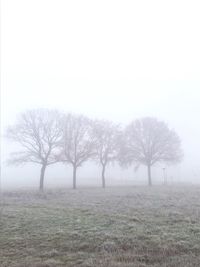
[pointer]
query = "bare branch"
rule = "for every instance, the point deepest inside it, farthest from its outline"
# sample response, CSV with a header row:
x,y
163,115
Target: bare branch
x,y
77,144
39,133
148,141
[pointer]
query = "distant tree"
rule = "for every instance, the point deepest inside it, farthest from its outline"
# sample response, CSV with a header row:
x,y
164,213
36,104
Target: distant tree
x,y
39,134
106,144
77,144
148,141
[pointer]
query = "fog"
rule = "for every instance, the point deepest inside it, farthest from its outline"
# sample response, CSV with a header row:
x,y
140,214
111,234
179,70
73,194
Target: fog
x,y
116,60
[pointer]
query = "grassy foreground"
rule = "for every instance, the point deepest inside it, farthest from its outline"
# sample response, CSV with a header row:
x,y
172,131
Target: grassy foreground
x,y
135,226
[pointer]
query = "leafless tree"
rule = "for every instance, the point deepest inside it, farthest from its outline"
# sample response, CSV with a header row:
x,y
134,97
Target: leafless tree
x,y
148,141
39,134
106,144
77,145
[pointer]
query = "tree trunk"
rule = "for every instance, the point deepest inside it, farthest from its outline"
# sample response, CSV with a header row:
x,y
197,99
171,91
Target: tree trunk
x,y
103,176
74,176
149,175
42,172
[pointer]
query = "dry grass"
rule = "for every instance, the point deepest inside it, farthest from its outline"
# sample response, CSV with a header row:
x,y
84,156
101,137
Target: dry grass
x,y
116,227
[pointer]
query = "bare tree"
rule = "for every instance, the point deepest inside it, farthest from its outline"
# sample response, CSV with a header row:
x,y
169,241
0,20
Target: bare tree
x,y
106,144
77,144
148,141
39,134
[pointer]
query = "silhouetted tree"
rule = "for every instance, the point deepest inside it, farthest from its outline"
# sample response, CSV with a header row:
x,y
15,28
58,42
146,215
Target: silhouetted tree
x,y
77,145
148,141
106,144
38,132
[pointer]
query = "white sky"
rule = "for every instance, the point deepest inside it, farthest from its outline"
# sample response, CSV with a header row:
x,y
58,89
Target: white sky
x,y
107,59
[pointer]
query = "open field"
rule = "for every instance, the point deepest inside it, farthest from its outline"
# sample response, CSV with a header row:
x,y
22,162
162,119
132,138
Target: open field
x,y
135,226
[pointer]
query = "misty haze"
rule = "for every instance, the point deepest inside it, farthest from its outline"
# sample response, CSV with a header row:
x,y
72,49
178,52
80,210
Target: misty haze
x,y
100,133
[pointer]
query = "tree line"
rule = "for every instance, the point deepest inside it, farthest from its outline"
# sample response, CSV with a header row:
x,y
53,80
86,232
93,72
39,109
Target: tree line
x,y
48,137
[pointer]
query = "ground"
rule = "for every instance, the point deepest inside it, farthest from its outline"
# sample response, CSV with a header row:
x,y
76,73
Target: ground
x,y
88,227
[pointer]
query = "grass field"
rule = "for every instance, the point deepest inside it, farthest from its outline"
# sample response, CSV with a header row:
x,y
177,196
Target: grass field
x,y
135,226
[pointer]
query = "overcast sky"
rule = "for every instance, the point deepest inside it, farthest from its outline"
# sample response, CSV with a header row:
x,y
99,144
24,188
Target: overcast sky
x,y
108,59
